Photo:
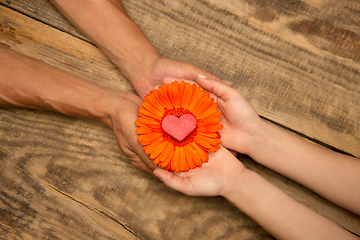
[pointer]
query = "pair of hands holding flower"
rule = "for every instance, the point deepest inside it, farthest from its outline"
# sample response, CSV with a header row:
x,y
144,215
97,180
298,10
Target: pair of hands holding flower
x,y
239,119
125,114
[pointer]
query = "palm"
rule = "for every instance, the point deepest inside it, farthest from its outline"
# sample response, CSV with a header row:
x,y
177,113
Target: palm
x,y
209,180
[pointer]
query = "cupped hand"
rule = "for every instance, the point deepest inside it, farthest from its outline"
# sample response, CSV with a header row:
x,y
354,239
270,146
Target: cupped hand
x,y
240,120
153,73
213,178
123,115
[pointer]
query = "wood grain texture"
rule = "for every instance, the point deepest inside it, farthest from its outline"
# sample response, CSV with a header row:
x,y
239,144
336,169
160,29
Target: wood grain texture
x,y
72,181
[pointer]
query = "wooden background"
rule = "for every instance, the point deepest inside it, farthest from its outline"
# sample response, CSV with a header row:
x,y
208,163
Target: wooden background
x,y
297,62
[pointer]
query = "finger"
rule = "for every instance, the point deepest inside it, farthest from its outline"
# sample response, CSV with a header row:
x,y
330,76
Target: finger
x,y
137,163
220,89
208,75
191,72
171,180
134,98
143,159
136,153
138,157
223,81
230,84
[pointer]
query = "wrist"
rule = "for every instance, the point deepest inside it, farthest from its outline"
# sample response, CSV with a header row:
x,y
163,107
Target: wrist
x,y
107,107
135,56
236,184
262,137
242,188
128,48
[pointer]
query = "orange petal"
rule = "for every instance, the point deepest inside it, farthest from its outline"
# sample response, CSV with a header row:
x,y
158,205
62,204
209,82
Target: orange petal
x,y
167,91
157,160
202,106
168,167
187,96
197,96
181,92
175,91
176,160
190,156
149,148
182,162
209,135
147,139
155,102
203,155
210,128
215,115
167,163
211,141
162,96
147,130
167,153
209,121
152,109
144,112
157,150
141,121
197,159
211,110
202,143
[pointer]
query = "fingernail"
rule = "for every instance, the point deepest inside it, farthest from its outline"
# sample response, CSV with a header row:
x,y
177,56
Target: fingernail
x,y
158,177
201,76
227,82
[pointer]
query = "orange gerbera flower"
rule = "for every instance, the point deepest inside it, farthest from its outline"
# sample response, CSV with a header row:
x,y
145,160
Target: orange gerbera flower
x,y
178,126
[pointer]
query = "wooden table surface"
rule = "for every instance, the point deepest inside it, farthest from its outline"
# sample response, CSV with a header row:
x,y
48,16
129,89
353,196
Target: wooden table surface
x,y
297,62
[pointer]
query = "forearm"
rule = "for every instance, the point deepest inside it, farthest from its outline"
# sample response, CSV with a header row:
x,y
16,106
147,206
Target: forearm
x,y
334,176
30,83
107,24
278,213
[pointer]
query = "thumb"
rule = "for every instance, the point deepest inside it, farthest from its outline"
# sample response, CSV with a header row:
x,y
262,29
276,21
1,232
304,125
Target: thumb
x,y
220,89
171,180
164,175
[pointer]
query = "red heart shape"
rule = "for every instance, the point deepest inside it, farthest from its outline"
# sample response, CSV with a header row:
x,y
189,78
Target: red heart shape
x,y
179,128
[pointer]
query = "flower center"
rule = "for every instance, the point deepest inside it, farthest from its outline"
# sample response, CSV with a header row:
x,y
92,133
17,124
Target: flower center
x,y
179,126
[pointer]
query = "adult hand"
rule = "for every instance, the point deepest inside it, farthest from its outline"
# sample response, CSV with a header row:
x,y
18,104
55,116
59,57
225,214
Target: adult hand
x,y
214,178
155,70
123,116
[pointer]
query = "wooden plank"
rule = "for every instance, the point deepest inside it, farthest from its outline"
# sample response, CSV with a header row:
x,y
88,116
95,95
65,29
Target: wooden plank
x,y
79,159
31,208
29,39
297,62
45,12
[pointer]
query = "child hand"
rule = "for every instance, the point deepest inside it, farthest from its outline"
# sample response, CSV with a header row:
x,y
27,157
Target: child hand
x,y
239,119
214,178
